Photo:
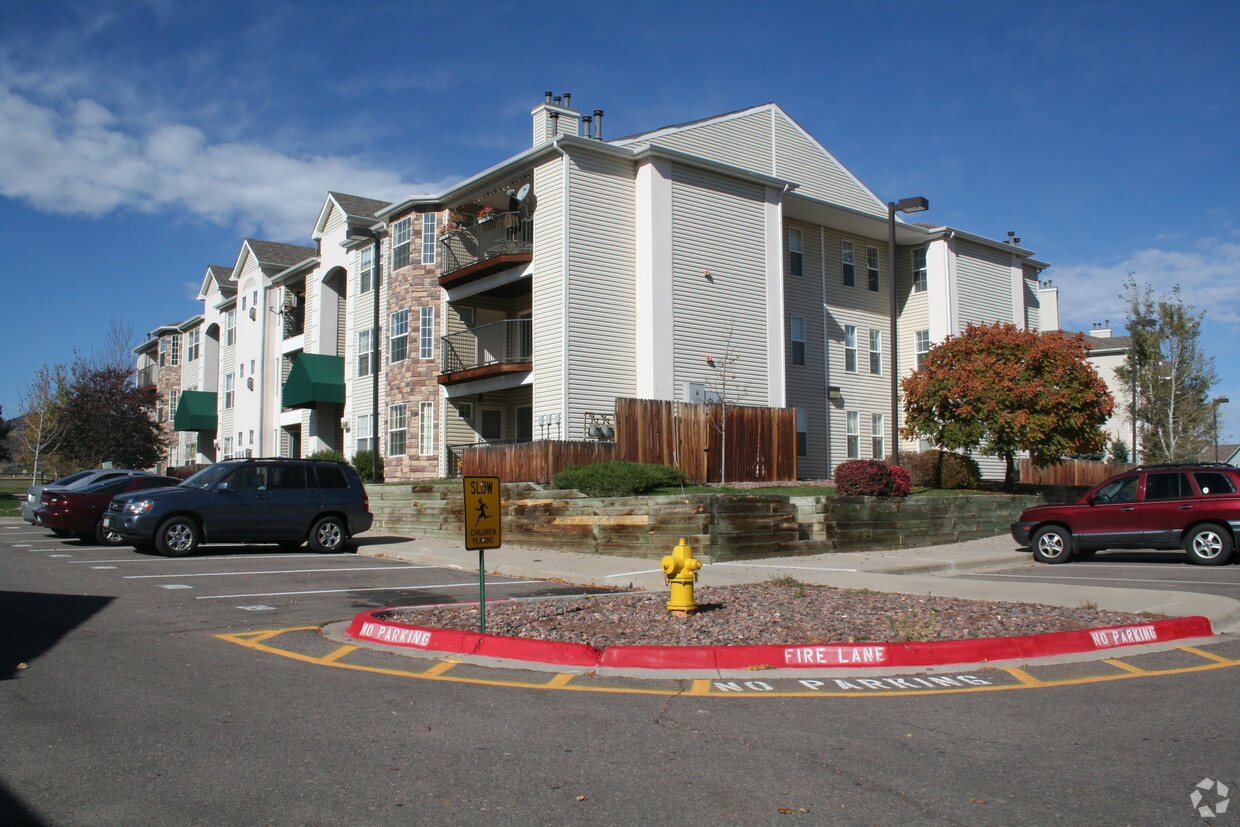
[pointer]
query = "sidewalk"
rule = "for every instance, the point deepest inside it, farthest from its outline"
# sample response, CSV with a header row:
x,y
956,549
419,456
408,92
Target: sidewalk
x,y
922,571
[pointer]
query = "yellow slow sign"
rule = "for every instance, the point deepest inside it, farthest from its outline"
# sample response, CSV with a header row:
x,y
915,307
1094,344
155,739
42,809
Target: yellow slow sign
x,y
482,528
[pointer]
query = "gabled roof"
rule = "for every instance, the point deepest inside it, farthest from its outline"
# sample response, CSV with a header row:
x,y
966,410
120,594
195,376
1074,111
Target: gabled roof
x,y
220,277
357,211
275,254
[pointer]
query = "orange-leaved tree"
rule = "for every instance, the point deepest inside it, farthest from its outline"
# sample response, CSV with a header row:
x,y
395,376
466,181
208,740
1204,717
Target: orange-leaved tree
x,y
1003,389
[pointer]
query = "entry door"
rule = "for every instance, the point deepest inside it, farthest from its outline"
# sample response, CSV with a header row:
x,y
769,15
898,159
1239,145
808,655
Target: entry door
x,y
491,424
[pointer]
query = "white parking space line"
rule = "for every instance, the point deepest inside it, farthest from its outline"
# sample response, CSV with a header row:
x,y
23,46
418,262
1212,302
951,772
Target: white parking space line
x,y
1107,579
220,557
374,589
798,568
276,571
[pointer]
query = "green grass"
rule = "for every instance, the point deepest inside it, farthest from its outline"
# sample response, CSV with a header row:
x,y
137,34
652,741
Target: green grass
x,y
12,492
808,491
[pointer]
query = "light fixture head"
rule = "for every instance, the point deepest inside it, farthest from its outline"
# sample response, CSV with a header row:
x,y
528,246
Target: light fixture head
x,y
914,204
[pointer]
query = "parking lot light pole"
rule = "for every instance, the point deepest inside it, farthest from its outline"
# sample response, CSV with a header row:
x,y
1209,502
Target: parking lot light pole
x,y
904,205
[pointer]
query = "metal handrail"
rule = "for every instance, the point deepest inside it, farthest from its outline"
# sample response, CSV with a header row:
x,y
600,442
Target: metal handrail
x,y
500,234
499,343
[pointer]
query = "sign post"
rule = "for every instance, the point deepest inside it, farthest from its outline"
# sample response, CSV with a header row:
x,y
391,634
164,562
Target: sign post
x,y
482,530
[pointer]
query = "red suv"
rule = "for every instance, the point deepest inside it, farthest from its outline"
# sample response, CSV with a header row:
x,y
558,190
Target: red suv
x,y
1194,507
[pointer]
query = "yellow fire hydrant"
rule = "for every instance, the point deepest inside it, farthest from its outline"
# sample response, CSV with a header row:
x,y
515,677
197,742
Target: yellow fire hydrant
x,y
681,568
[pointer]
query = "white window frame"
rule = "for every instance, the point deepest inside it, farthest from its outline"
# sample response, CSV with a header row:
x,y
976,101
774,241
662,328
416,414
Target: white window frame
x,y
364,433
366,269
398,424
426,428
174,399
174,350
796,252
365,360
230,328
426,332
848,263
796,336
853,425
921,347
878,435
402,236
920,274
193,345
872,275
230,387
850,348
876,352
398,336
430,236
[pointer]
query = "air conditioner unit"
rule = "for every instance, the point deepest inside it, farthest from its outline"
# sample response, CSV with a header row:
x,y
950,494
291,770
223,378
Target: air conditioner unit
x,y
249,383
253,315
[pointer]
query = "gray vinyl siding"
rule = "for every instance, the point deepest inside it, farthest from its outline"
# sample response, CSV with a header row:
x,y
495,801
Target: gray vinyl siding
x,y
1032,318
806,384
984,284
601,288
718,226
549,289
801,159
335,220
743,141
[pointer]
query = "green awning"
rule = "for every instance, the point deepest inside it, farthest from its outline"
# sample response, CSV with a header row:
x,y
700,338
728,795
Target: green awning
x,y
314,378
196,411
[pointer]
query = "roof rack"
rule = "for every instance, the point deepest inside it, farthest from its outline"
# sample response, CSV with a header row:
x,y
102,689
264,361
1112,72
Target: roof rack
x,y
1165,465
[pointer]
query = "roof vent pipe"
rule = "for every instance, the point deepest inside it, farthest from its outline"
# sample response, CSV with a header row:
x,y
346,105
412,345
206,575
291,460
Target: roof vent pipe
x,y
557,100
548,94
598,124
587,127
568,96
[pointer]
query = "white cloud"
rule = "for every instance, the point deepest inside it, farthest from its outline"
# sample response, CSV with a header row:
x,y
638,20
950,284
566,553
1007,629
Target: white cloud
x,y
75,158
1208,274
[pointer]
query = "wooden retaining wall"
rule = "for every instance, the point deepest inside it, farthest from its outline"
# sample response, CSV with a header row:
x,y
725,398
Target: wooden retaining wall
x,y
719,527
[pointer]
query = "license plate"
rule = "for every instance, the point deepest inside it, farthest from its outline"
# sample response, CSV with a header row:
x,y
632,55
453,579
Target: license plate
x,y
107,522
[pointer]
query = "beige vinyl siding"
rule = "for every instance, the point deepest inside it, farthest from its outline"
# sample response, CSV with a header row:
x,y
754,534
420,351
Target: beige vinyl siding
x,y
806,384
743,141
335,220
718,226
601,288
984,284
549,290
801,159
1032,319
914,316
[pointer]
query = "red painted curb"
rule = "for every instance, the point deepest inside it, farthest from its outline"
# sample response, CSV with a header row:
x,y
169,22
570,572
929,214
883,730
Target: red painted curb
x,y
367,626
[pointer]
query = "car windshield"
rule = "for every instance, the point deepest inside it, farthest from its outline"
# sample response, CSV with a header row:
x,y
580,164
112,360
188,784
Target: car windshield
x,y
207,476
1119,490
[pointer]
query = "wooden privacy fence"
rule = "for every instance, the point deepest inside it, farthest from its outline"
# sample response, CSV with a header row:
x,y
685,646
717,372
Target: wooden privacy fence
x,y
708,443
1076,472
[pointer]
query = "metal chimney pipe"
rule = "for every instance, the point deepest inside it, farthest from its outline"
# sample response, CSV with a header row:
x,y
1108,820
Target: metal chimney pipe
x,y
598,124
548,94
557,100
587,127
568,96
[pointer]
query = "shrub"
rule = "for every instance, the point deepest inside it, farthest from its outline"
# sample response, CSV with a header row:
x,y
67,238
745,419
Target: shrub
x,y
364,462
959,471
871,478
616,479
330,456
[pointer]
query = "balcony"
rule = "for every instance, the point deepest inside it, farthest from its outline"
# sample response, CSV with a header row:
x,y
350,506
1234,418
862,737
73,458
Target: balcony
x,y
490,350
504,240
147,376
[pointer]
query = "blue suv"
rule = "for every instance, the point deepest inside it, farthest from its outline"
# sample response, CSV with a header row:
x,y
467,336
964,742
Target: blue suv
x,y
285,501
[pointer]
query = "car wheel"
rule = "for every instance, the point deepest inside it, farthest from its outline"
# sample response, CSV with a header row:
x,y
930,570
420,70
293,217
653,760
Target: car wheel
x,y
106,536
1052,544
328,535
1208,545
177,537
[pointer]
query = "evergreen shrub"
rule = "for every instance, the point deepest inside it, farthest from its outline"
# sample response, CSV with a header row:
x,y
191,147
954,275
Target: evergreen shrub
x,y
616,479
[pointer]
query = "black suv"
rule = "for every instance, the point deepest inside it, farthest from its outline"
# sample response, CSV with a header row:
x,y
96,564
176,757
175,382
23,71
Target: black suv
x,y
285,501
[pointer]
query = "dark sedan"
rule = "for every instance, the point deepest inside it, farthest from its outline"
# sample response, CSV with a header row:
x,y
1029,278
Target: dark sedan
x,y
80,512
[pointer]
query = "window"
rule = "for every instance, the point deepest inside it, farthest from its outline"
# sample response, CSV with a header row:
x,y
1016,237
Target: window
x,y
193,345
426,428
230,327
174,352
396,430
398,330
365,352
1120,490
174,398
426,333
229,386
854,435
366,269
243,305
1214,482
876,352
226,447
921,347
163,352
1167,486
848,264
802,432
878,433
365,439
871,268
430,232
160,414
796,252
850,348
402,233
919,270
796,331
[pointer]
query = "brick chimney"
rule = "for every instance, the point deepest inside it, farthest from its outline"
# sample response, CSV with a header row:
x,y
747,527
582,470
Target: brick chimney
x,y
555,117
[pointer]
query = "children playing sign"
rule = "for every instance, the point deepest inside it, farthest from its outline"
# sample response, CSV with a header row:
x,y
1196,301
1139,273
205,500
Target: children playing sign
x,y
482,529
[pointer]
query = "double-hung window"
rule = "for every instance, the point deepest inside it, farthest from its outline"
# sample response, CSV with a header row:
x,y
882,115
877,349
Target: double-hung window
x,y
230,327
230,381
796,252
366,269
366,432
426,332
919,270
365,352
878,440
193,344
850,348
174,350
802,432
921,347
426,428
854,435
402,234
876,352
398,330
871,268
848,263
396,430
796,332
163,352
430,233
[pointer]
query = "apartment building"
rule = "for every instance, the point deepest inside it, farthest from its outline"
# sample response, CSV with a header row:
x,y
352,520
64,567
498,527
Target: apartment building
x,y
728,258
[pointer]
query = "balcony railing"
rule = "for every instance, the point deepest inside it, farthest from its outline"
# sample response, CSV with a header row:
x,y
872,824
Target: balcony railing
x,y
147,376
504,234
509,342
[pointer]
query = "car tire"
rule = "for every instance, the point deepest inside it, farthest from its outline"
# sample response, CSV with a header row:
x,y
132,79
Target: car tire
x,y
177,537
1052,544
328,535
1208,544
106,536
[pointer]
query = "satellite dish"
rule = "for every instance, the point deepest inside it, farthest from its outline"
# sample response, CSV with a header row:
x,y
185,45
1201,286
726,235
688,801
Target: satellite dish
x,y
524,192
524,200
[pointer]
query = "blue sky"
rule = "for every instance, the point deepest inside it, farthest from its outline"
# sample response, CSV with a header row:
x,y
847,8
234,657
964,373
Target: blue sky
x,y
141,141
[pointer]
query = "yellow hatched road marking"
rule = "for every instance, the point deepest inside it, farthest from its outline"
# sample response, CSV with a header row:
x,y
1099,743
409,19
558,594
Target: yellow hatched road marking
x,y
1207,655
338,654
700,687
559,680
439,668
1127,667
1023,676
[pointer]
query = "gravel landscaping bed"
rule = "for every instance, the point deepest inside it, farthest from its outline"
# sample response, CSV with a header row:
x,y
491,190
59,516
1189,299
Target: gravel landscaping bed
x,y
776,612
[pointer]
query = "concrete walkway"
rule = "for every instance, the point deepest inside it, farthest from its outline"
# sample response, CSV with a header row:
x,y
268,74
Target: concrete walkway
x,y
924,571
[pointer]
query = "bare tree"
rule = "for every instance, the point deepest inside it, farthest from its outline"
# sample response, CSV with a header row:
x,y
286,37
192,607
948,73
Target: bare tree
x,y
724,389
42,423
116,352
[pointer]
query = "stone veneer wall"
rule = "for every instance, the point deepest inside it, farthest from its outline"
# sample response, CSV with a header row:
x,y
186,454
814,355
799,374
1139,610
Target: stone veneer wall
x,y
718,527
